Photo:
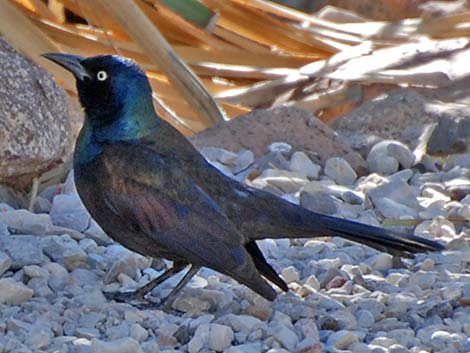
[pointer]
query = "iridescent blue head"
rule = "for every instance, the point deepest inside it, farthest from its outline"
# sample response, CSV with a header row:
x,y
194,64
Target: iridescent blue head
x,y
110,88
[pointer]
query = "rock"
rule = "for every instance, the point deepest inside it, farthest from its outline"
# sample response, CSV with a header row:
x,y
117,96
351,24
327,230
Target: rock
x,y
57,246
394,210
342,339
286,336
404,112
68,211
245,158
312,281
365,318
35,271
25,222
300,162
39,337
309,345
42,205
245,348
319,201
245,323
23,250
35,118
280,181
359,347
340,171
290,274
379,157
398,191
122,345
446,341
118,331
5,262
380,262
200,339
74,257
399,303
214,154
126,264
138,333
220,337
296,127
58,276
13,292
450,135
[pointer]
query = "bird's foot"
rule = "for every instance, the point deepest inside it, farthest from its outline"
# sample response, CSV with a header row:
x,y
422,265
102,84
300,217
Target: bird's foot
x,y
124,297
137,299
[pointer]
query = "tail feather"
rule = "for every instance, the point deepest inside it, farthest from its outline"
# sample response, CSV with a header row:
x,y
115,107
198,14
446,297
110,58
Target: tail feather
x,y
396,243
286,220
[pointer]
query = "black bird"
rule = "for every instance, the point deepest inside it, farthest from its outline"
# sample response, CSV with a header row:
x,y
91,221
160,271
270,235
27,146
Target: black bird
x,y
153,192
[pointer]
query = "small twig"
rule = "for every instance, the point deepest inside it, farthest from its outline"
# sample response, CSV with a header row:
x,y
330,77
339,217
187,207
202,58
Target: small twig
x,y
33,194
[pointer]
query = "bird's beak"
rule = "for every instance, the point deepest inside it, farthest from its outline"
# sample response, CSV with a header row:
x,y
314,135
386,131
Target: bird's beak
x,y
69,62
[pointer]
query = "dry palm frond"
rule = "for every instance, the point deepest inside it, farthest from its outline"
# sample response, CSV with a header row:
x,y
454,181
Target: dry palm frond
x,y
245,53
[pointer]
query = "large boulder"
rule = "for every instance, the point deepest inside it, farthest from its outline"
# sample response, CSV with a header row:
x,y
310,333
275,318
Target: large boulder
x,y
256,130
35,119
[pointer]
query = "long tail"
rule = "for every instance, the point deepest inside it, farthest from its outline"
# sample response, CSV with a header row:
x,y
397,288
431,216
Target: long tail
x,y
287,220
395,243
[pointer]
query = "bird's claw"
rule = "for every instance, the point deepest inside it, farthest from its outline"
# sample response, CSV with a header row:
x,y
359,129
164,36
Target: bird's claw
x,y
138,300
123,297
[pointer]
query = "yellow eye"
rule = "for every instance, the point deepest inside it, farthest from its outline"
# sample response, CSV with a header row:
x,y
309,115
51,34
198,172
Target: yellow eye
x,y
102,75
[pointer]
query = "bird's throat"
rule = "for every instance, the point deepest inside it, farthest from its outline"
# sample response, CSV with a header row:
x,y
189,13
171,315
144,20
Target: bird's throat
x,y
131,125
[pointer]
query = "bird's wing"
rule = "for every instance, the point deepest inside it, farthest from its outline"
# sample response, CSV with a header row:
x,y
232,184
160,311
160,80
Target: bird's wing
x,y
157,198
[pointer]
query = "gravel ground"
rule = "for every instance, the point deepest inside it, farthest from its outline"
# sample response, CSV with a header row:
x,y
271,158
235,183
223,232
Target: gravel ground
x,y
344,297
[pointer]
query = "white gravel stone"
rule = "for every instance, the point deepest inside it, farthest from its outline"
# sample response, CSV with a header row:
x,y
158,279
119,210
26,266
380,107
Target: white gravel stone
x,y
312,281
200,339
398,191
5,262
446,341
281,180
286,336
39,338
342,339
68,211
290,274
25,222
138,333
300,162
23,250
35,271
359,347
245,323
319,202
215,154
394,210
245,348
74,257
379,157
340,171
220,337
13,292
123,345
380,262
365,318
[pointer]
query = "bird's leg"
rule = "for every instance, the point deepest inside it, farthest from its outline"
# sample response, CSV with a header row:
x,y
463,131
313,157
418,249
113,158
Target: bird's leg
x,y
142,291
166,302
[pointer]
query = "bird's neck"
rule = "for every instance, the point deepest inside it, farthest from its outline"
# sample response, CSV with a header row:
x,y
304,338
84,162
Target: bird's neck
x,y
135,121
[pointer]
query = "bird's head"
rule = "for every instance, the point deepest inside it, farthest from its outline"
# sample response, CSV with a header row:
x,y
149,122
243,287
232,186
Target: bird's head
x,y
108,85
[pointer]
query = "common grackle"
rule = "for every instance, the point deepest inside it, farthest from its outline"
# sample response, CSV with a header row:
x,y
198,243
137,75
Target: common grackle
x,y
153,192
